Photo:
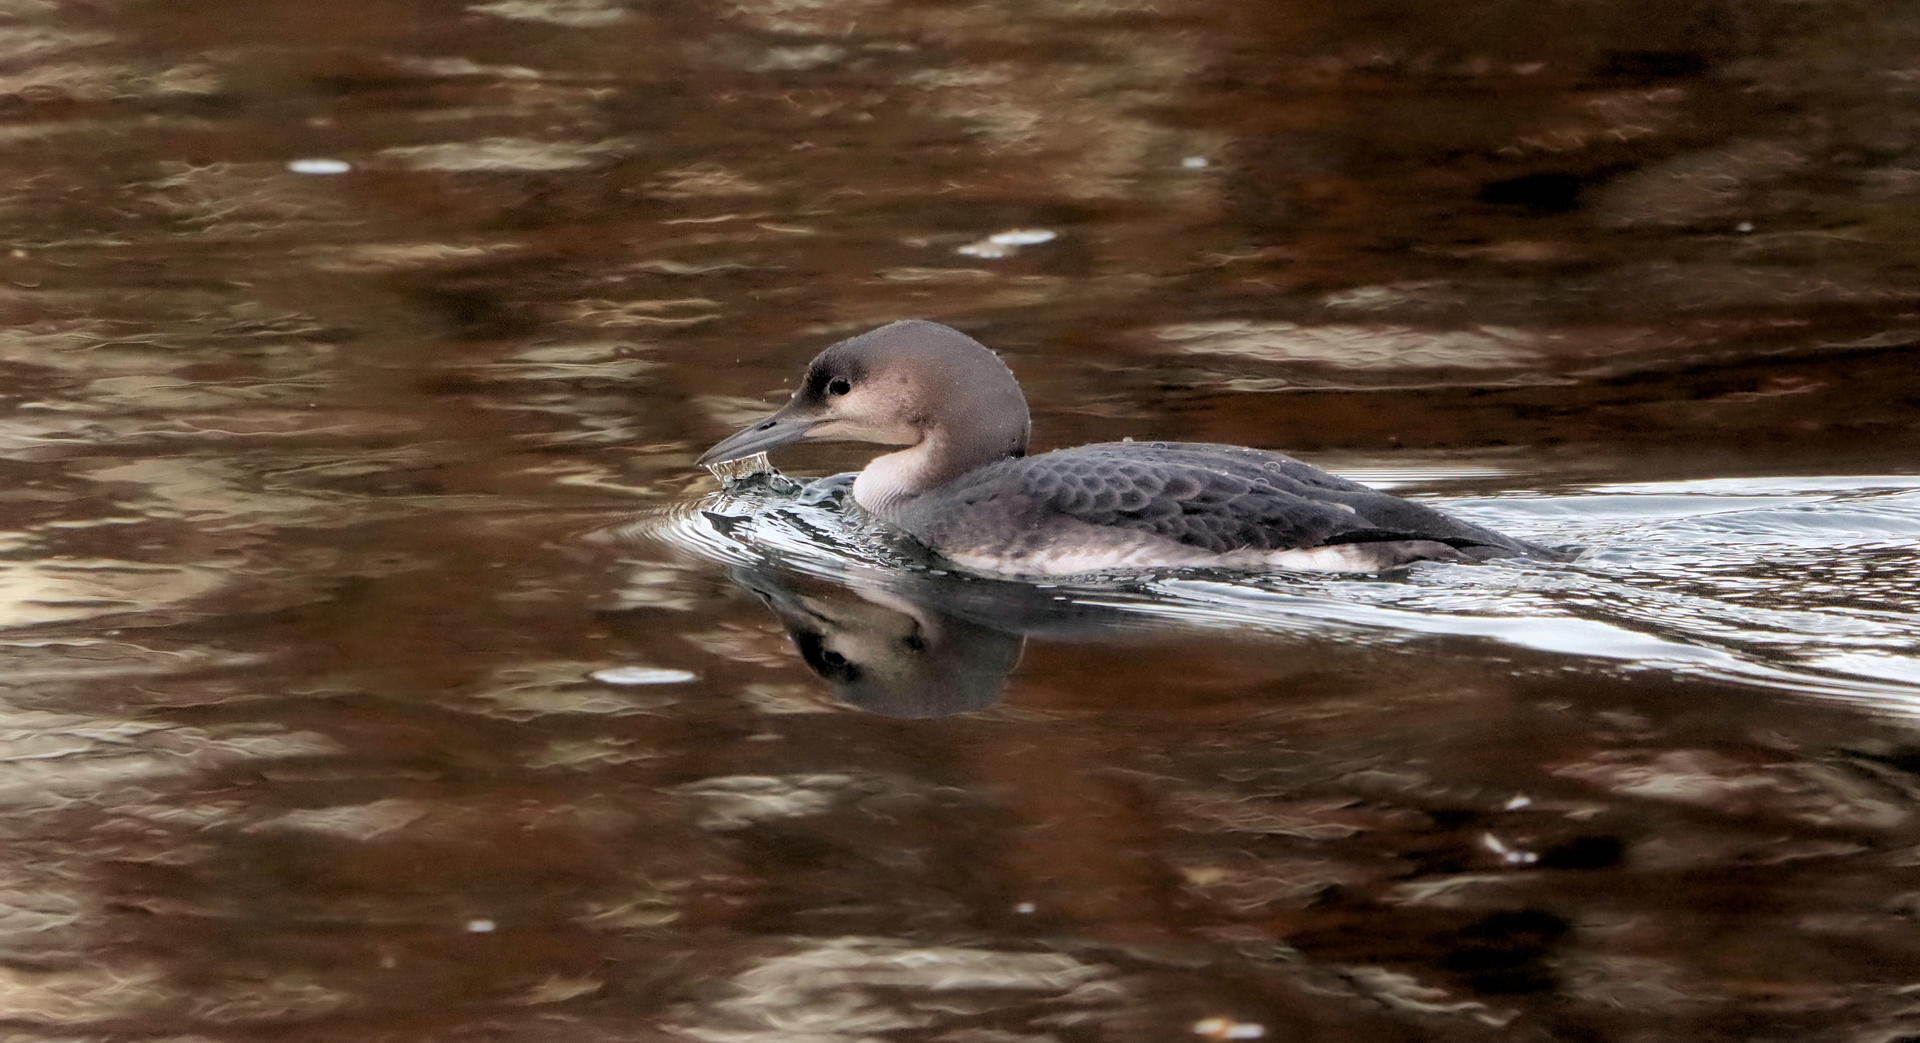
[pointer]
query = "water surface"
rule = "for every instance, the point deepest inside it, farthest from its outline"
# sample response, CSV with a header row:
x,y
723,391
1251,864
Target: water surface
x,y
378,666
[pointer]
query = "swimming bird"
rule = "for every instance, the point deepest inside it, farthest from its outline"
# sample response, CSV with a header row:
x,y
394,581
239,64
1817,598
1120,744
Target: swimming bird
x,y
965,488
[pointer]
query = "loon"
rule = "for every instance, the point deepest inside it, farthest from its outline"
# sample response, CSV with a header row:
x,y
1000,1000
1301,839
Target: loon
x,y
965,488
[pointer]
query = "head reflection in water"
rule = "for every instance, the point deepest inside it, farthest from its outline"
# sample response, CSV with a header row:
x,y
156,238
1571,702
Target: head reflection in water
x,y
885,654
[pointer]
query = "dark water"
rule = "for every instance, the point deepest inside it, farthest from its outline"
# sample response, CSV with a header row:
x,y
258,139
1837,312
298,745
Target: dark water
x,y
330,487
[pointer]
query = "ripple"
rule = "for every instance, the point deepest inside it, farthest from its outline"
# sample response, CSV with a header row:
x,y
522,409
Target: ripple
x,y
523,154
1796,584
1356,347
574,14
45,592
847,989
768,517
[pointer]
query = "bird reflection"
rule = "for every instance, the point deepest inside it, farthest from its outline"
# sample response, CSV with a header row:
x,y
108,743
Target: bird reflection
x,y
884,652
921,643
889,630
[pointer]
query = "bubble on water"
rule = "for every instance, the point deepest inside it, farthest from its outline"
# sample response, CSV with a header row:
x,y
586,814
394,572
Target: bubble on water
x,y
1023,237
628,675
319,166
1007,243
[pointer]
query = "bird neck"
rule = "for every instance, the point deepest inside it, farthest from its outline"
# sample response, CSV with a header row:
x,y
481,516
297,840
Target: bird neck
x,y
889,482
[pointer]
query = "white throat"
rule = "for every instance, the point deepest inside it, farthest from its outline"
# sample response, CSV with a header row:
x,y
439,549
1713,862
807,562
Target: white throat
x,y
888,481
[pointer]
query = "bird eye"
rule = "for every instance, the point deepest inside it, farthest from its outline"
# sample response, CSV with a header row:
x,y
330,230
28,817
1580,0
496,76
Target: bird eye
x,y
838,386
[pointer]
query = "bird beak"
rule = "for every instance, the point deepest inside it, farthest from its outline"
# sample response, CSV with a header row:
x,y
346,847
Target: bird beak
x,y
791,424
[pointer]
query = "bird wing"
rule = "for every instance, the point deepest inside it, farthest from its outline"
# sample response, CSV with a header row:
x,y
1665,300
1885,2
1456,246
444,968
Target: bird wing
x,y
1221,498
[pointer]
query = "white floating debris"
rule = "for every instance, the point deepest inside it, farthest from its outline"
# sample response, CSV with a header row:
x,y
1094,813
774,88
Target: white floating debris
x,y
1025,908
319,166
1023,237
1227,1028
1743,227
481,926
1510,855
1518,801
1004,244
1194,162
641,675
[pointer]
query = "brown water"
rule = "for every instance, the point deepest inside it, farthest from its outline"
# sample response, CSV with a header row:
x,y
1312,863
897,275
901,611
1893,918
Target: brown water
x,y
328,494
